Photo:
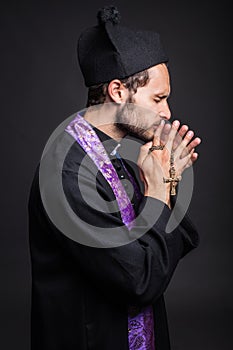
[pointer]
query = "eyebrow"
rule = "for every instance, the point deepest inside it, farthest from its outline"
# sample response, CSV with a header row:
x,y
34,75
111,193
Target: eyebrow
x,y
161,96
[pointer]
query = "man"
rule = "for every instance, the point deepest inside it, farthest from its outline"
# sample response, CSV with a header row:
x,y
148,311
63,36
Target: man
x,y
102,286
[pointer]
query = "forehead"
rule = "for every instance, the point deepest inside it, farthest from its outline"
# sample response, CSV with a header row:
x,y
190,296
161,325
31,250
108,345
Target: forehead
x,y
159,71
159,78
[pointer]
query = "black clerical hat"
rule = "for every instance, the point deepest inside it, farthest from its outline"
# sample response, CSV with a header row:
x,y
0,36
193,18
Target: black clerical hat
x,y
110,51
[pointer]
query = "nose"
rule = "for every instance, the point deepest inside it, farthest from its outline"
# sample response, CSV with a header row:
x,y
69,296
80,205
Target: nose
x,y
165,112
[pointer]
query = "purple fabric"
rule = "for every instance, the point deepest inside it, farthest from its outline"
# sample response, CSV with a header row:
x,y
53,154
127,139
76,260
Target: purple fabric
x,y
141,329
83,133
140,322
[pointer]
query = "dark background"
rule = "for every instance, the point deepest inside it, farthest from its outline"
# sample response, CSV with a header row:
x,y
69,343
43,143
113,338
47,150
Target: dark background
x,y
41,85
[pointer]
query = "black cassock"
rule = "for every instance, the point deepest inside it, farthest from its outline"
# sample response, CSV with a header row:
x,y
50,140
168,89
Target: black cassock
x,y
81,294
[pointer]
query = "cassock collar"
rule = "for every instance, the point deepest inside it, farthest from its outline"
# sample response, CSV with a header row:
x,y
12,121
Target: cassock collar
x,y
109,143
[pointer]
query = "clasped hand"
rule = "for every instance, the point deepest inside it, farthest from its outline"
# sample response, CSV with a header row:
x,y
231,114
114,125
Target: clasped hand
x,y
155,166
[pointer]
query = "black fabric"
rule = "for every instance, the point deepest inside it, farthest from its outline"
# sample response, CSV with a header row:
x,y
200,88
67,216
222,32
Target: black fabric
x,y
110,51
80,294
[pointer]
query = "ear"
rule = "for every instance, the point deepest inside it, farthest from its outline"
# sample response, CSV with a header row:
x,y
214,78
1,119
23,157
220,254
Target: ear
x,y
117,92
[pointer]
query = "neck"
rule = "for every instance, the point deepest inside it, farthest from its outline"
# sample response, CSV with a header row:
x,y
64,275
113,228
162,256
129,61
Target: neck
x,y
103,117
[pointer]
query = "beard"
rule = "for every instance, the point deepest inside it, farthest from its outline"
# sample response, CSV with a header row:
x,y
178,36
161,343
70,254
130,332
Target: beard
x,y
129,119
136,131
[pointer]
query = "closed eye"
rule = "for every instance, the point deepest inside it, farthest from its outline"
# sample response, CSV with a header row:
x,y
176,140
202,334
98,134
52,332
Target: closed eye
x,y
158,99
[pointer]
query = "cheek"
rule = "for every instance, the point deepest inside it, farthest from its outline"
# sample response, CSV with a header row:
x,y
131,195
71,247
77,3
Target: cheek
x,y
143,99
148,111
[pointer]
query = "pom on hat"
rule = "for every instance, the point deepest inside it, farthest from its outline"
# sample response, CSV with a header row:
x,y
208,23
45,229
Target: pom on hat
x,y
108,14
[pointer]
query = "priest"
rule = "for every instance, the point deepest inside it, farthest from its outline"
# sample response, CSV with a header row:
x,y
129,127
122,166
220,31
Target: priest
x,y
101,252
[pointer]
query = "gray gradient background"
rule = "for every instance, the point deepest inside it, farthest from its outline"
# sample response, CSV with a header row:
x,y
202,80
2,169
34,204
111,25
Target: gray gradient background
x,y
41,85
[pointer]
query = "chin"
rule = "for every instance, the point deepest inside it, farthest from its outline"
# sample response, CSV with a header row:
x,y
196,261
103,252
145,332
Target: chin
x,y
147,135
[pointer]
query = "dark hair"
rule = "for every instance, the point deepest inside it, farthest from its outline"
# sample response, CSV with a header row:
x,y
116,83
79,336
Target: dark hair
x,y
97,93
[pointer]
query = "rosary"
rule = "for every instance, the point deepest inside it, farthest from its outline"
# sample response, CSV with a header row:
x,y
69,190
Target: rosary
x,y
172,179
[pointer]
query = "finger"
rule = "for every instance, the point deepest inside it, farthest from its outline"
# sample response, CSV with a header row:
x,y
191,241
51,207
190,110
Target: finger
x,y
192,160
193,144
182,147
165,133
183,130
186,161
172,134
178,139
143,153
157,134
194,157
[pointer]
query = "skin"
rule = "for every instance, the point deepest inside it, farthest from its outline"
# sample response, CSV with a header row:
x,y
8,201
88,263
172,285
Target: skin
x,y
152,129
153,97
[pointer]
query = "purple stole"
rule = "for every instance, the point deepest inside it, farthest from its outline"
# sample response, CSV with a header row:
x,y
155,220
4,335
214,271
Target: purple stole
x,y
140,322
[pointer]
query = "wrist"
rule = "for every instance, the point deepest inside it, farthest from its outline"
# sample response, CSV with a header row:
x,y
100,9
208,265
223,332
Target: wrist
x,y
159,192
